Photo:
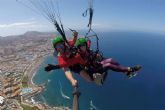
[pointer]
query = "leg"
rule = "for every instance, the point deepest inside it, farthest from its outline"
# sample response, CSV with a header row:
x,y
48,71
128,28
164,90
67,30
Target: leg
x,y
110,60
117,68
85,75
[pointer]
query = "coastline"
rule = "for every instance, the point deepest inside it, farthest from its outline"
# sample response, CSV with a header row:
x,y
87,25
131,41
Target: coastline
x,y
34,69
32,72
31,79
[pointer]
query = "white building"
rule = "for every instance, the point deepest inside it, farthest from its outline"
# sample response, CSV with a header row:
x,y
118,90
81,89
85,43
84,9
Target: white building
x,y
1,100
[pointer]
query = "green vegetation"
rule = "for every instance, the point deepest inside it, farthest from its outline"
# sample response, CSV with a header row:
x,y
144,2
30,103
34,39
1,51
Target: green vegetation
x,y
25,81
25,107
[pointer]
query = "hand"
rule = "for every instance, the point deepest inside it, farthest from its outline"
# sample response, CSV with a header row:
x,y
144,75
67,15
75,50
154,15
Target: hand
x,y
50,67
74,83
75,33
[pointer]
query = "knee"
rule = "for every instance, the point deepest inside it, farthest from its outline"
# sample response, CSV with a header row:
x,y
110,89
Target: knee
x,y
110,59
107,65
85,76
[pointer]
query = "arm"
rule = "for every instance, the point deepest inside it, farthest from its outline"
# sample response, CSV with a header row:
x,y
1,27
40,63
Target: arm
x,y
75,35
70,77
72,42
50,67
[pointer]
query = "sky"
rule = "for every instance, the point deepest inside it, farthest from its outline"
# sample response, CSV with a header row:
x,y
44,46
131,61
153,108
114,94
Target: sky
x,y
109,15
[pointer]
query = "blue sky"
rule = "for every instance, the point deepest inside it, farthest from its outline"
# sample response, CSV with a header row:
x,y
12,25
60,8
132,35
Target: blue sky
x,y
109,15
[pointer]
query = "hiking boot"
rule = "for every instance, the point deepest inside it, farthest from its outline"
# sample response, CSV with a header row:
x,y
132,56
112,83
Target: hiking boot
x,y
98,78
133,71
130,75
136,68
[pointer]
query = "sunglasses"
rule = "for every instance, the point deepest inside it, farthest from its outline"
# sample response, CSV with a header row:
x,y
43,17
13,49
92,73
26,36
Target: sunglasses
x,y
59,46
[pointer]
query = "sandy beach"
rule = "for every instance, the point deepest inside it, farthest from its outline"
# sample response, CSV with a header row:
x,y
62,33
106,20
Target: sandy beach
x,y
32,70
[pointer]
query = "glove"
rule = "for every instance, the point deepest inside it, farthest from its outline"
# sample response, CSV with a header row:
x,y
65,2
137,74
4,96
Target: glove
x,y
50,67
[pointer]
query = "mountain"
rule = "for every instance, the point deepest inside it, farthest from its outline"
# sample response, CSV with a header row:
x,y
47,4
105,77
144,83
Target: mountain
x,y
28,36
37,34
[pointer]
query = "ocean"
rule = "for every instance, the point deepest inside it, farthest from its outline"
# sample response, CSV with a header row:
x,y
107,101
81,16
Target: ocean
x,y
146,91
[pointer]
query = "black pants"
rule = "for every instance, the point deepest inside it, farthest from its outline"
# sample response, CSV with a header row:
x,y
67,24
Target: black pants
x,y
76,68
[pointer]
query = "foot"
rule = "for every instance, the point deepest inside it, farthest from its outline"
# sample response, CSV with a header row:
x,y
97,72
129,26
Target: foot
x,y
98,78
133,71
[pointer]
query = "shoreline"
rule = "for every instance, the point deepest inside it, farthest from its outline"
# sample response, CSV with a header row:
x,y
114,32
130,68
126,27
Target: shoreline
x,y
38,61
31,79
33,71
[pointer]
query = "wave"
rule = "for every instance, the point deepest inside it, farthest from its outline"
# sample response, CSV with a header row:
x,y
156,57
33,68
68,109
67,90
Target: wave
x,y
32,100
92,106
62,94
43,99
49,80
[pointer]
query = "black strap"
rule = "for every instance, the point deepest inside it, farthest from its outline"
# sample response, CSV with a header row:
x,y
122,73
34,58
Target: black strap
x,y
72,30
61,31
90,10
90,18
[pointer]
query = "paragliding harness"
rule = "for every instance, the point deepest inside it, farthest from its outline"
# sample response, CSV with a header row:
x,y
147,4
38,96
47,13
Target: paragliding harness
x,y
93,55
87,36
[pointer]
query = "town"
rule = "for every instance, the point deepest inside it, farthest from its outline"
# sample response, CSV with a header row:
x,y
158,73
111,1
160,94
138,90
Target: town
x,y
20,57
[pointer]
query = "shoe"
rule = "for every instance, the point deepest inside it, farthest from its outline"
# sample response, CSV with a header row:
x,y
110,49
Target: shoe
x,y
130,75
98,78
133,71
136,68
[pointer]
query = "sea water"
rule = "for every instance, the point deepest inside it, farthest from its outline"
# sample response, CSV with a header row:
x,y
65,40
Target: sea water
x,y
146,91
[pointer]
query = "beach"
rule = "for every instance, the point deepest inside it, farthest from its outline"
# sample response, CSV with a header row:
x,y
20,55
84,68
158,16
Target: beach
x,y
33,69
31,72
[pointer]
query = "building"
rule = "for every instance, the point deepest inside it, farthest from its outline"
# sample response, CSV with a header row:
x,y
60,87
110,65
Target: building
x,y
1,100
